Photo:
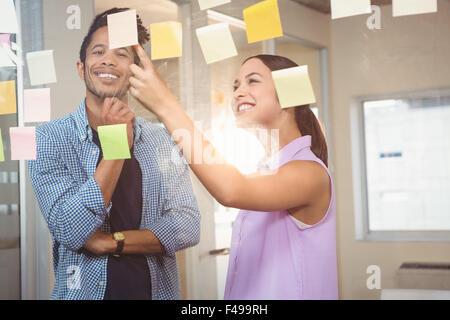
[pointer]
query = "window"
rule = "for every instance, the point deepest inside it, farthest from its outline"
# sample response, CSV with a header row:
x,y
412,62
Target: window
x,y
405,168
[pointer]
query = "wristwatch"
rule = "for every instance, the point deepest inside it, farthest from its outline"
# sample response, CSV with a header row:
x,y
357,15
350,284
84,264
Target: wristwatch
x,y
120,239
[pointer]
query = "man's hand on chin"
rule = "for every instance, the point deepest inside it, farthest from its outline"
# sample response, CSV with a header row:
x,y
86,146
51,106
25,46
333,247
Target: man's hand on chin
x,y
115,111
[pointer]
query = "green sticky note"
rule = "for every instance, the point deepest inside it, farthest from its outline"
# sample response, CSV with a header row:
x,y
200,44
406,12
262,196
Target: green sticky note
x,y
114,142
2,155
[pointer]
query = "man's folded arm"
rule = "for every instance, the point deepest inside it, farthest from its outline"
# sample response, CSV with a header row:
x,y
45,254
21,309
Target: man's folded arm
x,y
73,212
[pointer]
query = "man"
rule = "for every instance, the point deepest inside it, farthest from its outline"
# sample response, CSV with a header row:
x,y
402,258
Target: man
x,y
115,224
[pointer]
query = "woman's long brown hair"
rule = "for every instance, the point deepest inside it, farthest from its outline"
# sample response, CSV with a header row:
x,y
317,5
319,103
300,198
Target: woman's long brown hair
x,y
305,118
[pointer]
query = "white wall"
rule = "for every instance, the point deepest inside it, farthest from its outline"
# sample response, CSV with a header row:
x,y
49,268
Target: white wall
x,y
406,55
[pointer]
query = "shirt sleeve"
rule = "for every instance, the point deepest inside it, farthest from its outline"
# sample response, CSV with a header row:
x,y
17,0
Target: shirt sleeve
x,y
179,226
73,211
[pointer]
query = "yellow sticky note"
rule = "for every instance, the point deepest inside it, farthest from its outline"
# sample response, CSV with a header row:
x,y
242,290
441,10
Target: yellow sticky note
x,y
293,86
114,142
122,29
263,21
207,4
409,7
167,39
2,154
8,97
348,8
216,42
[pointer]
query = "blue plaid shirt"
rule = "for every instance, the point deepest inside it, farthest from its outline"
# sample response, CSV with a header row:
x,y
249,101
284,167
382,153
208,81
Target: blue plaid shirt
x,y
73,206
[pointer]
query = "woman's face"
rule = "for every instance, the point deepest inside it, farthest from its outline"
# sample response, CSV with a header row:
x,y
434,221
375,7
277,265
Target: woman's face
x,y
255,101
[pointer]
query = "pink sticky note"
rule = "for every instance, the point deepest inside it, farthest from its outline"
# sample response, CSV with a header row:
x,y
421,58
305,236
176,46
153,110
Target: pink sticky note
x,y
23,143
5,38
36,105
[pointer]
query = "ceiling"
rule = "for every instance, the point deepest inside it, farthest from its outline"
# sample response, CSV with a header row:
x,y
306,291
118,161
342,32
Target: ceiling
x,y
324,5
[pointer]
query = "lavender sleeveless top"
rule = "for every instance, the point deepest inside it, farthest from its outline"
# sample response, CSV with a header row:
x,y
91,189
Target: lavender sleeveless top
x,y
272,258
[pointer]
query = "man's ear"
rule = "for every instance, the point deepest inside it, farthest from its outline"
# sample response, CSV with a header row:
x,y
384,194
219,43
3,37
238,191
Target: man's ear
x,y
80,68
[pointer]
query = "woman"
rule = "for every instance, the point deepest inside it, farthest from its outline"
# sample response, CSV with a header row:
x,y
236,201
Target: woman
x,y
284,239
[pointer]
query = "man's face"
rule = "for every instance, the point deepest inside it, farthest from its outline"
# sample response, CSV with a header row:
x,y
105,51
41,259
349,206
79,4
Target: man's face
x,y
106,72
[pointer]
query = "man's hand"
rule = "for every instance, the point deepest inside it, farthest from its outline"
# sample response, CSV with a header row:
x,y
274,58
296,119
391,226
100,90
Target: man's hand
x,y
115,111
101,243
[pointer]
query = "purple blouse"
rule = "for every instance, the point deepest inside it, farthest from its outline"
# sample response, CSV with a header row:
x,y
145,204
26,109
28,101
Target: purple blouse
x,y
272,258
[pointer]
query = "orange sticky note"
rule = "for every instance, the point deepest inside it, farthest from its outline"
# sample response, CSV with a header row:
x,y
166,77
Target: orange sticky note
x,y
8,97
263,21
23,143
36,105
166,38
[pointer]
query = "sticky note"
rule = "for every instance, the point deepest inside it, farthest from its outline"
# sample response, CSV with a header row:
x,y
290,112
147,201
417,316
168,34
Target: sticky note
x,y
36,104
8,97
23,143
263,21
114,142
409,7
167,39
207,4
5,59
347,8
216,42
8,17
2,154
5,38
122,29
41,67
293,86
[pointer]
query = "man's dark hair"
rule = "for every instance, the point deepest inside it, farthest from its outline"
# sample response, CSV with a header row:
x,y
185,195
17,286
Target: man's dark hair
x,y
101,20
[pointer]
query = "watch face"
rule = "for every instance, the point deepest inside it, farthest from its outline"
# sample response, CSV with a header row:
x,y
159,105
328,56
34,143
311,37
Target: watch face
x,y
119,236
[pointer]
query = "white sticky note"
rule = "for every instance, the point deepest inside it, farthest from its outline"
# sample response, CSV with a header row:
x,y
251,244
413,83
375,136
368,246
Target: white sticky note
x,y
122,29
41,67
36,105
348,8
216,42
207,4
293,86
5,59
409,7
8,17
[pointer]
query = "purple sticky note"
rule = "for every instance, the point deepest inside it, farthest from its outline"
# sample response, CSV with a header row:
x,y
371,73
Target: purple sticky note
x,y
5,38
36,105
23,143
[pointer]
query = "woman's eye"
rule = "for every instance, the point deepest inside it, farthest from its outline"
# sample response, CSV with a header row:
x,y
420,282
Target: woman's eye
x,y
252,81
97,52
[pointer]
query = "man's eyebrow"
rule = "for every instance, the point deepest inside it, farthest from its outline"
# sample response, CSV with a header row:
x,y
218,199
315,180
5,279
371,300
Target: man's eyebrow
x,y
124,48
98,46
252,74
